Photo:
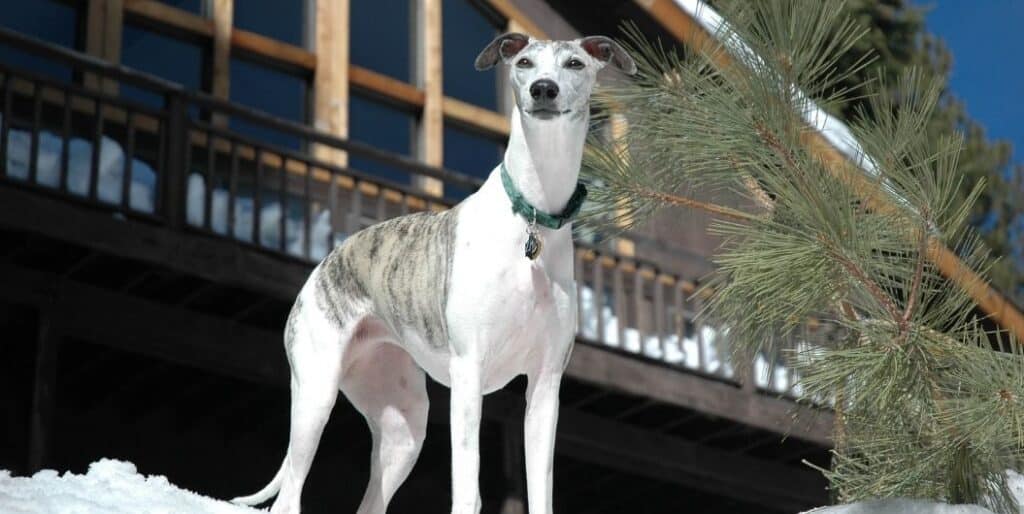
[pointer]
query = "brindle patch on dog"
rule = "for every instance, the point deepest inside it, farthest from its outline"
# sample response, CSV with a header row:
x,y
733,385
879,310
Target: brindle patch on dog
x,y
401,267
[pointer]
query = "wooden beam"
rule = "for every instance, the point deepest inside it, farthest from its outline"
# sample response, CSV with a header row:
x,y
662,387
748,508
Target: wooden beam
x,y
277,50
386,87
677,386
680,24
608,443
219,259
477,117
142,326
431,128
43,392
331,77
155,11
222,12
522,22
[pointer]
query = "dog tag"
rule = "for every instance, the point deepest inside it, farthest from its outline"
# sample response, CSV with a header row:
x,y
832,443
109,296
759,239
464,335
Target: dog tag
x,y
533,245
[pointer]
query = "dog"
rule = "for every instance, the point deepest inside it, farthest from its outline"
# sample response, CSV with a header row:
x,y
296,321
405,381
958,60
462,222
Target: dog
x,y
473,297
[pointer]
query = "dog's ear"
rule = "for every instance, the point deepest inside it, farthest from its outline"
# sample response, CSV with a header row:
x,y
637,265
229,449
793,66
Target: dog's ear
x,y
503,47
608,51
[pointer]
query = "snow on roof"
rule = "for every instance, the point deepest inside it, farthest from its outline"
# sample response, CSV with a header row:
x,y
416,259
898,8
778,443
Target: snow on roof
x,y
109,487
837,133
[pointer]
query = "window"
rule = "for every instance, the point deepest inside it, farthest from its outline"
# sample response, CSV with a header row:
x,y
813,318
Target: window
x,y
167,57
381,36
49,20
192,6
470,153
272,91
466,31
283,21
384,127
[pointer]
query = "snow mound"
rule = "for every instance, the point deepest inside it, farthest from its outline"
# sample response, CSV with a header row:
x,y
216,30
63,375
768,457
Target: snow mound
x,y
109,487
902,506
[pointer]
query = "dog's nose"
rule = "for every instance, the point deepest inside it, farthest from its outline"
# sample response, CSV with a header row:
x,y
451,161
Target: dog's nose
x,y
544,88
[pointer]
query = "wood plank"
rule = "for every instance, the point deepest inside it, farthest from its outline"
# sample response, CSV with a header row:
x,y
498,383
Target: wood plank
x,y
222,12
476,117
113,27
330,79
218,259
386,87
431,129
992,302
525,24
155,11
274,49
676,386
174,333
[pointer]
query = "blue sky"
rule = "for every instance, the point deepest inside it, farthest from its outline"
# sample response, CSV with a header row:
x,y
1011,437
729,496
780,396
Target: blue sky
x,y
986,38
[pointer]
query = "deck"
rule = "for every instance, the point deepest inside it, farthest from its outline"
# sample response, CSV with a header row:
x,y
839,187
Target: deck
x,y
158,231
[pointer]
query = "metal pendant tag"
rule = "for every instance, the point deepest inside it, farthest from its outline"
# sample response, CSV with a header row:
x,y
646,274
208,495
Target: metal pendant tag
x,y
533,245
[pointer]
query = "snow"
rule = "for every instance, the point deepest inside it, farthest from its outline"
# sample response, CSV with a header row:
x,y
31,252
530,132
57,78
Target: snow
x,y
109,487
116,487
832,129
904,506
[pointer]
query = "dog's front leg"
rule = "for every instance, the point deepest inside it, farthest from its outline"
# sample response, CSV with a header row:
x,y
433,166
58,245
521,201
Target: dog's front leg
x,y
466,402
540,423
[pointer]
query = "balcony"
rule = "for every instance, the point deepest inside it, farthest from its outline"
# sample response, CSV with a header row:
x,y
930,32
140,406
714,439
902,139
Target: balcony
x,y
162,187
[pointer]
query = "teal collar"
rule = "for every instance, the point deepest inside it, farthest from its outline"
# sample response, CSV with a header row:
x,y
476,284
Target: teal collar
x,y
532,214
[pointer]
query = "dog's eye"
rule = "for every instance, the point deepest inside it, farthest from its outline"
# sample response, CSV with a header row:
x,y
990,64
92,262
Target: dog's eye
x,y
574,64
524,63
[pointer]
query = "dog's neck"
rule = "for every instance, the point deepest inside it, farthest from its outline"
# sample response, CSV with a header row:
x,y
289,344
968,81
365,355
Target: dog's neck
x,y
543,158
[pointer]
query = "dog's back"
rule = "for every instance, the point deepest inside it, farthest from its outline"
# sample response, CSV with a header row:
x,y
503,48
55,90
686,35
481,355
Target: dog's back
x,y
400,268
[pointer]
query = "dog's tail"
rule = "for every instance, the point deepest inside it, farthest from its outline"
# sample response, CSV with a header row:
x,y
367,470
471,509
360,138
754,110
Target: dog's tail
x,y
267,492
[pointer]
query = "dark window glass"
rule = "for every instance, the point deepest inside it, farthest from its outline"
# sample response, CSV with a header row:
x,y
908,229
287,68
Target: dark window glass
x,y
164,56
470,153
192,6
384,127
381,36
281,20
467,31
55,22
272,91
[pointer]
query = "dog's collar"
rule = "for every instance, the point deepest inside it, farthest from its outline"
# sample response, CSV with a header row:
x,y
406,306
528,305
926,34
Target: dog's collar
x,y
532,214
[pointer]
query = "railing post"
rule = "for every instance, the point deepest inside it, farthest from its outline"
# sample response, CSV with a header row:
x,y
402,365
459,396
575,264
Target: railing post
x,y
173,180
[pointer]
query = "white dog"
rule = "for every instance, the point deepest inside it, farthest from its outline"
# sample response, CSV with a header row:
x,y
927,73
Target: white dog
x,y
473,297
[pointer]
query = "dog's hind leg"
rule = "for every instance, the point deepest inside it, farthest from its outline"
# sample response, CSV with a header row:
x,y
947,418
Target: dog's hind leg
x,y
384,383
315,353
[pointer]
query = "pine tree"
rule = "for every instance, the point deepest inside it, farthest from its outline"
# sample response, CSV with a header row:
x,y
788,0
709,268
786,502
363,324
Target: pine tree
x,y
897,35
924,406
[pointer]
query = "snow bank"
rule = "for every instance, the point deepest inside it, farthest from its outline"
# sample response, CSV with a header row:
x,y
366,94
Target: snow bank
x,y
901,506
109,487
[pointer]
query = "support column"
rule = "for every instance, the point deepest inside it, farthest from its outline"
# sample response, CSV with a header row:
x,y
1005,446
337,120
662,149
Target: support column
x,y
222,13
514,460
330,81
104,25
431,129
43,393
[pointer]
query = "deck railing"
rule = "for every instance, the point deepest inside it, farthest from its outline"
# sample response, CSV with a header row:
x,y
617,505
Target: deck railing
x,y
147,149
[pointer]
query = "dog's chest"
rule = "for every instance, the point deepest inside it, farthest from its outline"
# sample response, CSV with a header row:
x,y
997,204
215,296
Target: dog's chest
x,y
517,310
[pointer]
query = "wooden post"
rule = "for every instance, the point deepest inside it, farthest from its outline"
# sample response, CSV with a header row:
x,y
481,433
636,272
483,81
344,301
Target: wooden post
x,y
104,25
513,447
222,12
431,129
330,80
43,393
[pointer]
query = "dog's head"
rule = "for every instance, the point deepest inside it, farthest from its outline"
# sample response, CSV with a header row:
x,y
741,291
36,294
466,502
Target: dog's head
x,y
553,78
